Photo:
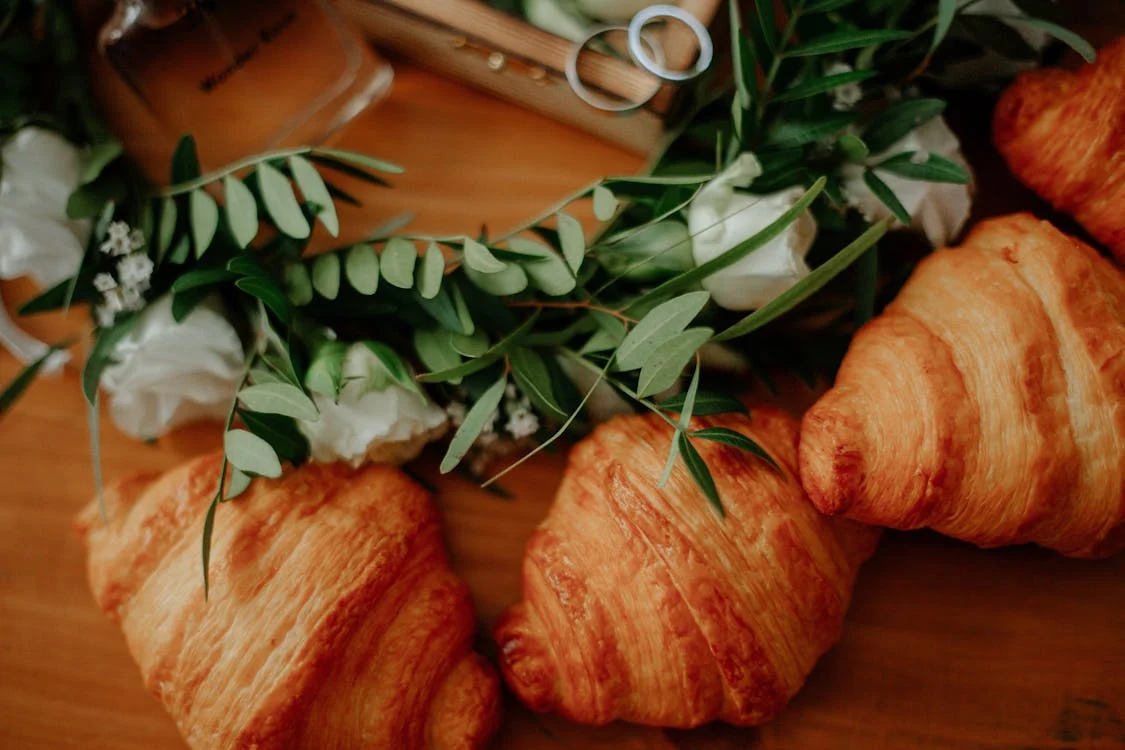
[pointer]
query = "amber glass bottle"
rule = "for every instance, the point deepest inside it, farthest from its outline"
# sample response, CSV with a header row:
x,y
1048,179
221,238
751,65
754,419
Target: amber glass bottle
x,y
244,75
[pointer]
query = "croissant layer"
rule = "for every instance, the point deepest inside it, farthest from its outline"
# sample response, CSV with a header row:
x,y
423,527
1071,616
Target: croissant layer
x,y
643,604
333,620
1063,134
987,401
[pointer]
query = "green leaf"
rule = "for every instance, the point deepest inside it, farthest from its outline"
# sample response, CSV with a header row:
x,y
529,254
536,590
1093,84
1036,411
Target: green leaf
x,y
430,272
326,275
898,120
469,346
251,454
661,325
697,467
484,360
707,403
478,257
512,280
1064,35
96,159
315,191
947,11
26,377
248,264
824,6
799,132
464,315
551,275
208,533
395,366
572,239
267,290
178,253
279,398
867,280
363,160
326,370
605,203
853,147
936,168
242,211
815,86
280,432
361,266
204,220
846,39
435,353
397,263
744,62
202,277
534,379
238,483
166,229
185,161
479,415
102,353
298,285
665,366
184,303
281,203
688,409
735,440
887,196
807,286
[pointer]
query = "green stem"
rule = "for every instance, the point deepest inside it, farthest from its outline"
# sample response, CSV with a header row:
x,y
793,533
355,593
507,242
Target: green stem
x,y
621,387
578,195
778,57
207,179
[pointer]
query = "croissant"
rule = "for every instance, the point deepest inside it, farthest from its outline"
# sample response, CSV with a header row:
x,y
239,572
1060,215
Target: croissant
x,y
641,604
333,620
1063,134
988,400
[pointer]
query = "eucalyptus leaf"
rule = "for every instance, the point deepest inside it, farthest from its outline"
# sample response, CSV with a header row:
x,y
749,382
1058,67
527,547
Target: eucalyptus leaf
x,y
815,86
326,275
498,350
326,370
363,160
201,277
534,378
552,276
846,39
461,308
898,120
315,191
1064,35
887,197
97,157
512,280
279,398
663,368
397,263
435,353
204,220
298,284
480,415
242,210
266,289
431,271
395,366
947,11
361,266
281,202
935,168
801,131
663,323
735,440
699,472
572,239
251,454
469,346
102,354
279,432
238,483
478,258
166,228
605,203
853,147
707,403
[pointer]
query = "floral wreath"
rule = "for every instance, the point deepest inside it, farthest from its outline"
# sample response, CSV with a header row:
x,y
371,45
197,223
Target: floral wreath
x,y
730,253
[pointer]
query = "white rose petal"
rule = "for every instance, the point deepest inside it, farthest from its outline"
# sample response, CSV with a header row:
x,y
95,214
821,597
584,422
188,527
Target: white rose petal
x,y
391,425
720,218
939,209
170,374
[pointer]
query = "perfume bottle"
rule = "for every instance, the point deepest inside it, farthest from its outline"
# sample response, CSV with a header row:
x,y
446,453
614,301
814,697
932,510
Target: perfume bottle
x,y
243,76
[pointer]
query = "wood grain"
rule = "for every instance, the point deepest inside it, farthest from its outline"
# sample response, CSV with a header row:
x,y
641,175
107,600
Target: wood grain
x,y
946,646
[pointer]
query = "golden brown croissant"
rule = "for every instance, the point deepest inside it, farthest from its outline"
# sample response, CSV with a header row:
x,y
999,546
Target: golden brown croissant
x,y
333,619
1063,134
987,401
644,605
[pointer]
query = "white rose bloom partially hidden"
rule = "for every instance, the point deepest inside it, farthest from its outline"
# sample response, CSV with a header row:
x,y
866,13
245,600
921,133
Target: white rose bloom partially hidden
x,y
939,209
169,374
373,420
721,218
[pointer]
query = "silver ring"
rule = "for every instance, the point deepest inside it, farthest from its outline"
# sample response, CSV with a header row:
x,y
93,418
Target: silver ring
x,y
636,49
595,100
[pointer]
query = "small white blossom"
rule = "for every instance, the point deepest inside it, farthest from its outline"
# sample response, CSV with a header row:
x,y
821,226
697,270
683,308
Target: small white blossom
x,y
135,270
522,423
105,316
132,299
456,412
104,282
846,96
114,300
511,392
121,240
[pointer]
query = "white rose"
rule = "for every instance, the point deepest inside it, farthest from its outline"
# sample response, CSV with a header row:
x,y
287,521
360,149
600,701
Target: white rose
x,y
940,209
382,425
720,218
614,10
168,374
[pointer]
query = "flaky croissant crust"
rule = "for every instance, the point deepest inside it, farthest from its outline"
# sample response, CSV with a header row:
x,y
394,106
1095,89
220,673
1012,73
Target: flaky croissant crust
x,y
1063,134
642,604
987,401
333,619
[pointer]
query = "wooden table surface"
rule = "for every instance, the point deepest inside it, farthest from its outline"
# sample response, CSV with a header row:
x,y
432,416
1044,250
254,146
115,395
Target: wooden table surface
x,y
946,646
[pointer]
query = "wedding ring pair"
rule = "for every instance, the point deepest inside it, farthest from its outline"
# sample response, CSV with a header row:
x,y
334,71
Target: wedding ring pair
x,y
646,52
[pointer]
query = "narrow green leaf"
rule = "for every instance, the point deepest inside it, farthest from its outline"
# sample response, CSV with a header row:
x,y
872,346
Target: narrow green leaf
x,y
281,202
809,88
767,24
102,354
242,210
947,10
326,370
202,277
897,120
735,440
664,322
799,132
478,257
552,275
251,454
464,315
572,239
184,303
397,263
512,280
707,403
435,353
534,379
846,39
166,229
178,253
204,220
279,398
185,161
867,280
936,168
809,285
326,275
298,284
280,432
97,157
361,265
315,191
853,147
363,160
431,271
499,349
744,61
697,467
887,196
825,6
605,203
248,264
395,366
663,367
267,290
26,377
469,346
479,415
208,533
239,482
1064,35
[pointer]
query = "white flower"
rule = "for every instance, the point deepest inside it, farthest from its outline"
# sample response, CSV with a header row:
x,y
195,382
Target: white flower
x,y
168,374
135,270
522,423
388,425
846,96
104,282
720,218
40,170
120,240
940,209
456,411
613,10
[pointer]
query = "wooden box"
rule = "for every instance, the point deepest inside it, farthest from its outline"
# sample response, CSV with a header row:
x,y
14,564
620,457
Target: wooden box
x,y
487,48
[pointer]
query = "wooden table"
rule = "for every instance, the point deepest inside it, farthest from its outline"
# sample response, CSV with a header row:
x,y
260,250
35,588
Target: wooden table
x,y
946,646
